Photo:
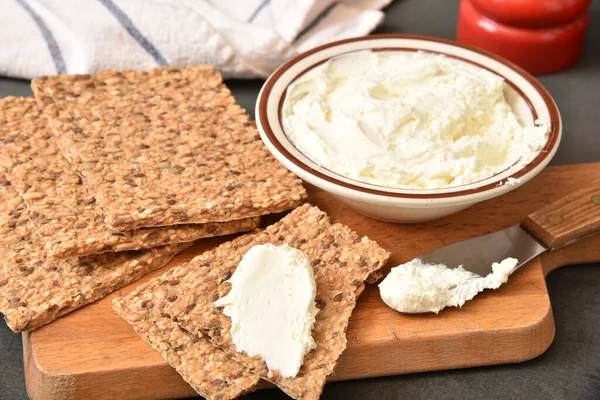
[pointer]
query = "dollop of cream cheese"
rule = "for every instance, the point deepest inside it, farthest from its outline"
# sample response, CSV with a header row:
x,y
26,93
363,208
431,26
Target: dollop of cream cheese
x,y
417,287
272,306
407,120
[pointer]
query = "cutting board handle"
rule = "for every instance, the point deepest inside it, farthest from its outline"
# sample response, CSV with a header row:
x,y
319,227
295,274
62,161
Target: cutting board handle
x,y
567,219
584,251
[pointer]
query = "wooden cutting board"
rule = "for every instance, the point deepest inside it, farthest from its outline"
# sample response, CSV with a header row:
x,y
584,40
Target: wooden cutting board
x,y
93,354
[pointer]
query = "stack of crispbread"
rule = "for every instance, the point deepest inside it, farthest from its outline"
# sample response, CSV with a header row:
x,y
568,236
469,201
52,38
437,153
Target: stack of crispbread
x,y
104,178
175,312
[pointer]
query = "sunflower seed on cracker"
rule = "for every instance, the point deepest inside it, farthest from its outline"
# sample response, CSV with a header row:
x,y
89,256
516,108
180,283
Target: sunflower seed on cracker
x,y
35,290
62,208
164,147
341,261
206,368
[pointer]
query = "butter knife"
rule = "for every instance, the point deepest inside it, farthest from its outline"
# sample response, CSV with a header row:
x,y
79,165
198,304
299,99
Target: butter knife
x,y
553,226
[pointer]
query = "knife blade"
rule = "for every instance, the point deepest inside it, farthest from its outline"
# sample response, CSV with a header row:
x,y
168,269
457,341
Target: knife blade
x,y
478,254
556,225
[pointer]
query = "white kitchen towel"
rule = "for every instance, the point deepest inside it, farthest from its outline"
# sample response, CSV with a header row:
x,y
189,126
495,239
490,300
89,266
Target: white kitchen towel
x,y
243,38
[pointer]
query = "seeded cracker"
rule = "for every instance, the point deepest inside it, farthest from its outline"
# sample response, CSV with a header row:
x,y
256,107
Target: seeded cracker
x,y
206,368
164,147
62,208
341,261
35,290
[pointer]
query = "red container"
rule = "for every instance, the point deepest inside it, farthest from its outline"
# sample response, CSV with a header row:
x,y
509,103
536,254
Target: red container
x,y
542,36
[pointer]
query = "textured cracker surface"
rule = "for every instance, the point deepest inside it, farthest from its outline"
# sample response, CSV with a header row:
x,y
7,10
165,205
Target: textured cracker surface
x,y
206,368
341,261
61,207
35,290
163,147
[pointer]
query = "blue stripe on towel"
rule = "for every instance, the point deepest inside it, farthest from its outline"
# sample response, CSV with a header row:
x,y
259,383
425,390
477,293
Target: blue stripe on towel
x,y
55,53
127,23
262,5
317,20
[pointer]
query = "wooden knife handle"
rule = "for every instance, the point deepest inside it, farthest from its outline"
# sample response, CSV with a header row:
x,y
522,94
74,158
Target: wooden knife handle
x,y
567,219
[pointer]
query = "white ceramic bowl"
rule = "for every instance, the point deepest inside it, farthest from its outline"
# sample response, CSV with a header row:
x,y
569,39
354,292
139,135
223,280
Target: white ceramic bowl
x,y
526,96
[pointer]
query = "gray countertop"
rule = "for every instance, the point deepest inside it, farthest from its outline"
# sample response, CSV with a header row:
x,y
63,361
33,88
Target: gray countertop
x,y
570,369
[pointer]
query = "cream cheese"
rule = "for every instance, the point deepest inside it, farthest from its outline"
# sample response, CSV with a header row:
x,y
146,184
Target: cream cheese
x,y
272,306
407,120
416,287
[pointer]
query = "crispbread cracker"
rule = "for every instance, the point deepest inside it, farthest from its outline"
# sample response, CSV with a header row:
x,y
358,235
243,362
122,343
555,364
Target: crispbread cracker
x,y
35,290
206,368
163,147
341,261
61,207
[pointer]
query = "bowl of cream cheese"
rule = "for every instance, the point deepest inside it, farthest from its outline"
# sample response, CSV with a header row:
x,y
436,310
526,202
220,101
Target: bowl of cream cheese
x,y
408,128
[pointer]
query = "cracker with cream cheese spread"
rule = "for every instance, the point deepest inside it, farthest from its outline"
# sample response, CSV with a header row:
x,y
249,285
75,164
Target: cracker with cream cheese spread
x,y
35,290
62,208
164,147
341,262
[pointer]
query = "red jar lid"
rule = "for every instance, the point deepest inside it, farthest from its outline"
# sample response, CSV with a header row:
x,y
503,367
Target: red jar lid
x,y
542,36
532,13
